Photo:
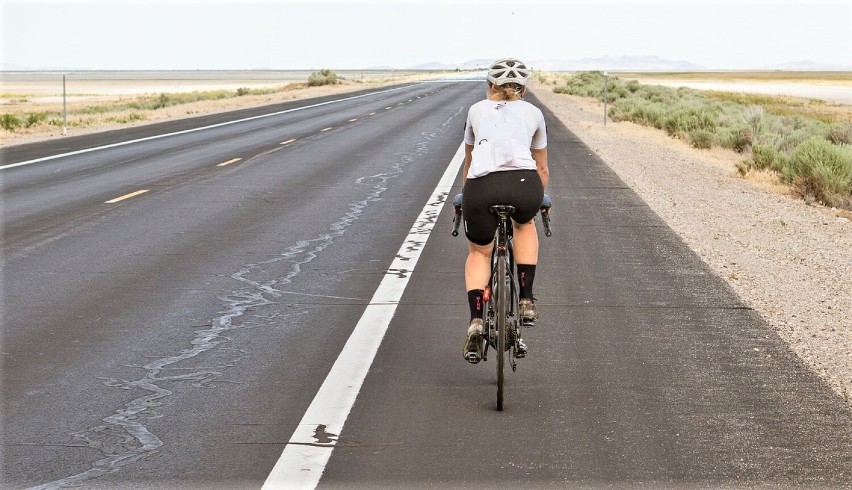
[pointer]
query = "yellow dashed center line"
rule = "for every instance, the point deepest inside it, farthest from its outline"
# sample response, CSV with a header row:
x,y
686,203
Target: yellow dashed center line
x,y
326,129
233,160
288,141
126,196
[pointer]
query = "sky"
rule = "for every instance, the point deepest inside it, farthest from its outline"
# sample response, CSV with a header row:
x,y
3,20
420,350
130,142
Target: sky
x,y
282,34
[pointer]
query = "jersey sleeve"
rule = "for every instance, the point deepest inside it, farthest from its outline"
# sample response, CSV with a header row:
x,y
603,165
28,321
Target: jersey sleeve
x,y
539,139
469,137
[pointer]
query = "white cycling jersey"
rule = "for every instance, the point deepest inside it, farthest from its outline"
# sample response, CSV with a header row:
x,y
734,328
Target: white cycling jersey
x,y
502,134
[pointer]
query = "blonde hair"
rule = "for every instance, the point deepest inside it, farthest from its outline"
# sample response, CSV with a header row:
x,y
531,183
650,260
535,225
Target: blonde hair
x,y
507,91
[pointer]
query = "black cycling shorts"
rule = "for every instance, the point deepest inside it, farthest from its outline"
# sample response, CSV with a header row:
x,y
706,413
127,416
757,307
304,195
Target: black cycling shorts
x,y
519,188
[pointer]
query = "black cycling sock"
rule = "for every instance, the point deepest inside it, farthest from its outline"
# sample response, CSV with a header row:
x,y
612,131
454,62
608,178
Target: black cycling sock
x,y
474,300
526,276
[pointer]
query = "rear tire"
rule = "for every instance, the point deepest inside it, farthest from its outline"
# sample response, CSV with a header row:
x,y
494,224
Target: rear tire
x,y
502,313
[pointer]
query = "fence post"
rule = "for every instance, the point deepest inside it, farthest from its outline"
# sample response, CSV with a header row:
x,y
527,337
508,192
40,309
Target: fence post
x,y
606,94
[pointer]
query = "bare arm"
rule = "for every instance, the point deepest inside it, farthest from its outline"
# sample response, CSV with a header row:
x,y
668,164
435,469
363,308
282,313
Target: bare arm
x,y
468,157
540,157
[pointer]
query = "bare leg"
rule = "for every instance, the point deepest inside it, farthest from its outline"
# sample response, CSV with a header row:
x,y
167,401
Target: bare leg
x,y
526,243
477,268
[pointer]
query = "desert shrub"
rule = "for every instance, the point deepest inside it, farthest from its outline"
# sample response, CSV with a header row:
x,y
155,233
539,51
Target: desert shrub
x,y
323,77
841,134
162,101
684,119
657,93
768,157
36,118
633,86
640,111
10,122
736,138
95,109
823,171
754,118
701,138
804,144
591,84
129,118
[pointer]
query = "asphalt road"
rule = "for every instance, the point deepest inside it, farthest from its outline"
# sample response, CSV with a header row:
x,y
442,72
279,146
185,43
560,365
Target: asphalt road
x,y
176,338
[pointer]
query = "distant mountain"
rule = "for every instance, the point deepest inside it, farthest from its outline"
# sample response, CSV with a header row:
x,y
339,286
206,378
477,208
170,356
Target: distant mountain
x,y
626,63
808,65
433,65
617,63
14,67
467,65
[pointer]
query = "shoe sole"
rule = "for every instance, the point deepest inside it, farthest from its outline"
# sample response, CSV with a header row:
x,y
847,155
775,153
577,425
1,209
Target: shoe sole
x,y
472,356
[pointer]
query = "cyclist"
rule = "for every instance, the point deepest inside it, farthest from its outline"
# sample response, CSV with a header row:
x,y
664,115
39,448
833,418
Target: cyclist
x,y
505,163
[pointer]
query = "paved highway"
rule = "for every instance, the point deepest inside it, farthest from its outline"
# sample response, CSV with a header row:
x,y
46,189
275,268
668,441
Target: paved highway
x,y
174,301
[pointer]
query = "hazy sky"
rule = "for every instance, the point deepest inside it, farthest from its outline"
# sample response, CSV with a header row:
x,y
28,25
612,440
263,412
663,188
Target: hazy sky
x,y
205,34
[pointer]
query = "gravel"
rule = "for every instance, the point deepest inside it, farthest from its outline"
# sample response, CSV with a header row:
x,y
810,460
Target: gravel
x,y
788,260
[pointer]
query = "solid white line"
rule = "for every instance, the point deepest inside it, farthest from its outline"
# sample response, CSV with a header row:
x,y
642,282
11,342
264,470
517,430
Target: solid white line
x,y
226,123
126,196
304,458
233,160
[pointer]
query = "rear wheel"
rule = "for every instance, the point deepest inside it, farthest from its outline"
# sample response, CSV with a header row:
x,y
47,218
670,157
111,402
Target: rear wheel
x,y
502,302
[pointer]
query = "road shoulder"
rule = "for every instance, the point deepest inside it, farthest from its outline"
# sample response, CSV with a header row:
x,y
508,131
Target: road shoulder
x,y
790,261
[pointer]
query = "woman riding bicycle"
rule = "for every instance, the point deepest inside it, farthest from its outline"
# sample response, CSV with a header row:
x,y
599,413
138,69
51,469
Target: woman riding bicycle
x,y
505,163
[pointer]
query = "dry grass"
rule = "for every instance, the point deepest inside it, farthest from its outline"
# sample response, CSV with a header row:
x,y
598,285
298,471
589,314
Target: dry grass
x,y
817,77
788,106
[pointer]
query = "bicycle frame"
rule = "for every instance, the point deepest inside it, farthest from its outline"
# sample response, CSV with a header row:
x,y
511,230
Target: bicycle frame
x,y
501,319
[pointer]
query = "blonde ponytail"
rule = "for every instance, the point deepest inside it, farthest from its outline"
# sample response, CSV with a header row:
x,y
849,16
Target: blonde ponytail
x,y
508,91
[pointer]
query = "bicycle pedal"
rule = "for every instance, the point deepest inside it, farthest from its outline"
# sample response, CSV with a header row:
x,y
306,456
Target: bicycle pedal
x,y
527,322
521,350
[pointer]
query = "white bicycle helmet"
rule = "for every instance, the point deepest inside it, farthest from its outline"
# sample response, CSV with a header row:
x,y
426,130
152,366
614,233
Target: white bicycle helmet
x,y
508,70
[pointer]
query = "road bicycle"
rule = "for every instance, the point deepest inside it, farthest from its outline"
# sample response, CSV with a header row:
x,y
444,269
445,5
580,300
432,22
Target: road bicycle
x,y
501,320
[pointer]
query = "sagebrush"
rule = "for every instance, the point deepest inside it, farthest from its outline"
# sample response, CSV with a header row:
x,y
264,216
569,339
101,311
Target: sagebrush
x,y
807,146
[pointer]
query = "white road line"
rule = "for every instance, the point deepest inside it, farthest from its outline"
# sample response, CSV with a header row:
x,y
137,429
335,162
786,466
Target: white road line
x,y
233,160
126,196
306,454
289,141
326,129
149,138
371,114
353,120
